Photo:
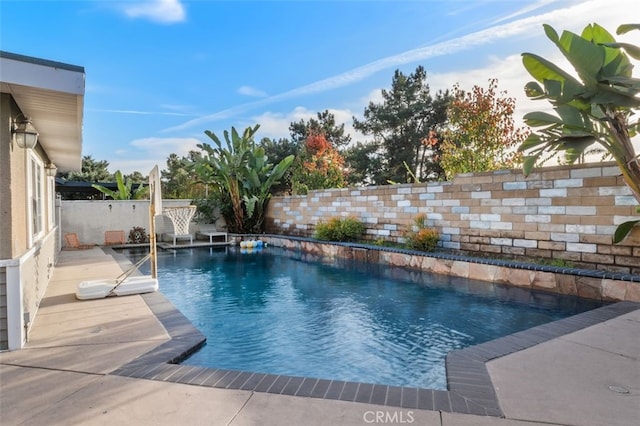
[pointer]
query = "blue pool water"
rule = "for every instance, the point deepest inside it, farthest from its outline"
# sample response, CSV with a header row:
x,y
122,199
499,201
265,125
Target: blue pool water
x,y
284,313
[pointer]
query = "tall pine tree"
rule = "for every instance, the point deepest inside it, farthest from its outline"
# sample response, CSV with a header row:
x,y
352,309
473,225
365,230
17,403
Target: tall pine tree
x,y
401,124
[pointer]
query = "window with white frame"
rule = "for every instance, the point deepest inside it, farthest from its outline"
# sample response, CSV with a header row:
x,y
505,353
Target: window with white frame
x,y
51,208
36,198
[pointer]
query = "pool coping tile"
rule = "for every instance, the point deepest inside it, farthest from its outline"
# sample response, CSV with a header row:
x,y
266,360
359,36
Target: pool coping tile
x,y
349,391
240,380
252,382
279,384
365,390
425,399
335,389
469,386
394,396
292,386
379,394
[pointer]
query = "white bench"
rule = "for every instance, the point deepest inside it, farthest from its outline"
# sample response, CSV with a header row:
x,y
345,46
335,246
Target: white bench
x,y
212,234
182,237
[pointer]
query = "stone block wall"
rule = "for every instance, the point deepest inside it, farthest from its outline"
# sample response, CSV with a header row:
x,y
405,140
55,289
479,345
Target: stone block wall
x,y
565,214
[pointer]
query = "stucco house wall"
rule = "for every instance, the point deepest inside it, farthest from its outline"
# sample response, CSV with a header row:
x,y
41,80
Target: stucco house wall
x,y
14,225
51,94
26,258
6,160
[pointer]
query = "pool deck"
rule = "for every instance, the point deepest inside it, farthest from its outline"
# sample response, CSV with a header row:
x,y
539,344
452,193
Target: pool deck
x,y
84,362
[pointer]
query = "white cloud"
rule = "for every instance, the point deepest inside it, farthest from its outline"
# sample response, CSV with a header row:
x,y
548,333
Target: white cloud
x,y
181,144
220,115
276,125
143,166
182,109
526,9
161,11
509,73
252,91
139,112
145,153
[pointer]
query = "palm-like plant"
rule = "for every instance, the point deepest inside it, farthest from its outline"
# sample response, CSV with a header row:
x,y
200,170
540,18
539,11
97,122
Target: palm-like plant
x,y
595,107
125,191
243,176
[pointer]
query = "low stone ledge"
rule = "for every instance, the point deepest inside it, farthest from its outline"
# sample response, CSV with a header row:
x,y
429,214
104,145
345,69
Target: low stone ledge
x,y
592,284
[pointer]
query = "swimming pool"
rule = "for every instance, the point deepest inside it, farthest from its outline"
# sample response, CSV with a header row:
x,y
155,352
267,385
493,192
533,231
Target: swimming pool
x,y
287,313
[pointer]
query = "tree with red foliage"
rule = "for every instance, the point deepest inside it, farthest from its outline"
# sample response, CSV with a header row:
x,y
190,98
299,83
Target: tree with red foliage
x,y
319,166
482,135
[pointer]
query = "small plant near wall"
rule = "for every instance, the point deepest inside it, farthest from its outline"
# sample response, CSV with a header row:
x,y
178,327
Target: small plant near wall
x,y
138,235
420,237
379,242
337,229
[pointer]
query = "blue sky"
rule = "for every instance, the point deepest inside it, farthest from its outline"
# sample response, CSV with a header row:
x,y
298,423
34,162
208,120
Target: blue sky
x,y
161,72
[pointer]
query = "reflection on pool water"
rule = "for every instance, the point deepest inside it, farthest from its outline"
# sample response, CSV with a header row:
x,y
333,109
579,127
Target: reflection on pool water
x,y
279,312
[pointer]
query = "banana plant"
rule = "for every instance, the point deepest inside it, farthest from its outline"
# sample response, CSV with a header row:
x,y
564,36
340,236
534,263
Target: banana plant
x,y
125,191
261,176
596,107
243,174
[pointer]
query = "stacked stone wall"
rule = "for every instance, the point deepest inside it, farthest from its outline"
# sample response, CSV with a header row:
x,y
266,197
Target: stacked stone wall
x,y
589,284
563,214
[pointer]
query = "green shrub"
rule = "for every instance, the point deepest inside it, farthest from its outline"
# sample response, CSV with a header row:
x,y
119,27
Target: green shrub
x,y
337,229
424,239
420,237
352,229
327,231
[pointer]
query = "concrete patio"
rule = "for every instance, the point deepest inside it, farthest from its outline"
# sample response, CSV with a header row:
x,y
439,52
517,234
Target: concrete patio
x,y
63,376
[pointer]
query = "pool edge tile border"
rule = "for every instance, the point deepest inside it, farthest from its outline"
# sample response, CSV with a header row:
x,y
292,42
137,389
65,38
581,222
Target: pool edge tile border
x,y
470,389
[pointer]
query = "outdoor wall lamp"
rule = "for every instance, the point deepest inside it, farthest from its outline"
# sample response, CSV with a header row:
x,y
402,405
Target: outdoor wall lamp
x,y
24,134
51,170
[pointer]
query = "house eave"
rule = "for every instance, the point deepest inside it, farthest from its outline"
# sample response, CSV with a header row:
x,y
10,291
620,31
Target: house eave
x,y
52,95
